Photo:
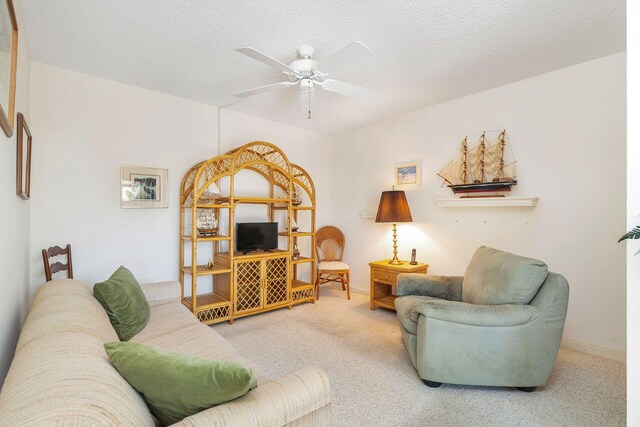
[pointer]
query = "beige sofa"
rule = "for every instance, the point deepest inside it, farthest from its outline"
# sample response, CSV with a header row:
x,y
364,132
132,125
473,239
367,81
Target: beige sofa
x,y
61,375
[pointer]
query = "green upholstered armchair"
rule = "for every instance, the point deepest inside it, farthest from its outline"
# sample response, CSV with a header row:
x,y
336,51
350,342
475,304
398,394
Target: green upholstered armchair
x,y
499,325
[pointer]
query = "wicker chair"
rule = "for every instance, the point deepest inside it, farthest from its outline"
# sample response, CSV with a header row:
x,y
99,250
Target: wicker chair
x,y
330,243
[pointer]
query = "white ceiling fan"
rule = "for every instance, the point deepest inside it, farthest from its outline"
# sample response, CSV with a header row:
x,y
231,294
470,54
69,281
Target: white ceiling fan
x,y
308,73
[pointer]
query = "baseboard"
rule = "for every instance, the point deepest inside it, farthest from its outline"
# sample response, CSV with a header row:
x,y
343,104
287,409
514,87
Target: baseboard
x,y
360,291
583,347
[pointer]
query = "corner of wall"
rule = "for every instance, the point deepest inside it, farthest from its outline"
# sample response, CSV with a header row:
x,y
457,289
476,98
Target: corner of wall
x,y
16,225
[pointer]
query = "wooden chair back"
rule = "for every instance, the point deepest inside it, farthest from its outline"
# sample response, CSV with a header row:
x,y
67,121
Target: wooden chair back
x,y
330,243
50,269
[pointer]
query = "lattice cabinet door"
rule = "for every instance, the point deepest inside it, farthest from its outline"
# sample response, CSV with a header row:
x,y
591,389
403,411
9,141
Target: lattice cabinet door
x,y
276,281
248,282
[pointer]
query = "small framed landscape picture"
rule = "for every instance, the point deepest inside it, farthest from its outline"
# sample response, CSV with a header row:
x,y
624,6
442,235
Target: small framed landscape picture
x,y
143,187
408,173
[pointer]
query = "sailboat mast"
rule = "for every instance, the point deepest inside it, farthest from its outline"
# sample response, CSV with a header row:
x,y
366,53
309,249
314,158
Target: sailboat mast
x,y
501,145
464,160
482,148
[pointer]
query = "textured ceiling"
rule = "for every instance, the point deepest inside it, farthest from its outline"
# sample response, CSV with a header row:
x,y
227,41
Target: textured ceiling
x,y
424,52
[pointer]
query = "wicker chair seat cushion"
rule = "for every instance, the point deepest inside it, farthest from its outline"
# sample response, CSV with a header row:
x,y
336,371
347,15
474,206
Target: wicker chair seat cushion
x,y
332,266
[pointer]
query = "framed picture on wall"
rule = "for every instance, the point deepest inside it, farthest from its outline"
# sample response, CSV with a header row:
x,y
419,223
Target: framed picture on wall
x,y
143,187
407,174
23,159
8,63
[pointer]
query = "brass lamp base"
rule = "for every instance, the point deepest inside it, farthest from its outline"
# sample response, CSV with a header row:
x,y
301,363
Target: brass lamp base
x,y
395,260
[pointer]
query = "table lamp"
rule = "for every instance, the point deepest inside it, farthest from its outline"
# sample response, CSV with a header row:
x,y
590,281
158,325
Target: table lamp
x,y
394,208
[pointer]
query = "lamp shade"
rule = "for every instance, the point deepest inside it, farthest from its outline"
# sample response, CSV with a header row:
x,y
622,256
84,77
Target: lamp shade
x,y
393,207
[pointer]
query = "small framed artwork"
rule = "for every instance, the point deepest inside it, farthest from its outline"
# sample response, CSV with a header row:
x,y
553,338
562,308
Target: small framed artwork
x,y
408,173
8,63
143,187
23,159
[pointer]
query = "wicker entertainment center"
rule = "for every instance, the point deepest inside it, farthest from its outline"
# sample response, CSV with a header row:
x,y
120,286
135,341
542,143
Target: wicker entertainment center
x,y
244,284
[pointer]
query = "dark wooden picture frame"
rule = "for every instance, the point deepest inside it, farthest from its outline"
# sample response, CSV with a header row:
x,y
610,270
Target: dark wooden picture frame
x,y
23,165
7,111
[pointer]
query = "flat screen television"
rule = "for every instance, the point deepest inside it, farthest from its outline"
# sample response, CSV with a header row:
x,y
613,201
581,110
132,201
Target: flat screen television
x,y
253,236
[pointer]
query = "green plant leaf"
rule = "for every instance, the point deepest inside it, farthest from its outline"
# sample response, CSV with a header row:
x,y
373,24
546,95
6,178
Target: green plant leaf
x,y
633,234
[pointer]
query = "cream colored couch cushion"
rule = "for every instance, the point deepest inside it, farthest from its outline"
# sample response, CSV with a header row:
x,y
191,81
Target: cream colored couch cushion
x,y
66,306
173,327
61,372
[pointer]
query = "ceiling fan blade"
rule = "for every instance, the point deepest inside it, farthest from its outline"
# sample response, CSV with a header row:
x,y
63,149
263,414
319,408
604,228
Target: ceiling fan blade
x,y
349,89
262,89
348,54
259,56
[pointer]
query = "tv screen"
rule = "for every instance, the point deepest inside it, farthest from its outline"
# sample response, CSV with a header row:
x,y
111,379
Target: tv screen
x,y
252,236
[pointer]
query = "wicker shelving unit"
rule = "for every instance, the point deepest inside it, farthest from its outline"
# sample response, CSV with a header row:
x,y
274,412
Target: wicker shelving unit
x,y
245,284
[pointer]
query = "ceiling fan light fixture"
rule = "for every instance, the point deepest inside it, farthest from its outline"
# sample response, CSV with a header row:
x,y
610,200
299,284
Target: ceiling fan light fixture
x,y
307,72
306,51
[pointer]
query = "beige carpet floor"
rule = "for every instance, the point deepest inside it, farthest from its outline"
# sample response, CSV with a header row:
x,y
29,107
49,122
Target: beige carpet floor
x,y
374,384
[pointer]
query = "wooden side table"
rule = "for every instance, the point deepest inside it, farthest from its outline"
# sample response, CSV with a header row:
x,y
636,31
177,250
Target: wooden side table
x,y
384,276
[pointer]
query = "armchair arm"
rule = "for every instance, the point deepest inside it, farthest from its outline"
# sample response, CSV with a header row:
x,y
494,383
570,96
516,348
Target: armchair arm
x,y
303,396
444,287
476,315
161,292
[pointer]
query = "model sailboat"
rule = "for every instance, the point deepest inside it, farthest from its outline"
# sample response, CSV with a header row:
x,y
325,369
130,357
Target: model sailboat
x,y
482,168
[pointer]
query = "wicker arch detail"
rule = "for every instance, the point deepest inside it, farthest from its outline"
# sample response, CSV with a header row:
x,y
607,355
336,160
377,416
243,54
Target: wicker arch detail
x,y
262,157
260,152
302,178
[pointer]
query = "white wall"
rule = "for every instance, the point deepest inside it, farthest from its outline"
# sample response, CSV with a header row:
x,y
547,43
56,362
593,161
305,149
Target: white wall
x,y
14,226
90,126
633,267
85,128
633,216
567,130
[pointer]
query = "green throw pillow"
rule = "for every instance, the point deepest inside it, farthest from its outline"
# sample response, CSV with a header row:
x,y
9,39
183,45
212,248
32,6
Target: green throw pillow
x,y
177,385
125,303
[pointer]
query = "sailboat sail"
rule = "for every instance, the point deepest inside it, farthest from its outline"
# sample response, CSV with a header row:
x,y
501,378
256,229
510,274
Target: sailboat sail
x,y
484,167
451,172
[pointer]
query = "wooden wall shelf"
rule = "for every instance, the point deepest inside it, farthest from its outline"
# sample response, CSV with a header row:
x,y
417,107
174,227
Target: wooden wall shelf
x,y
477,202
